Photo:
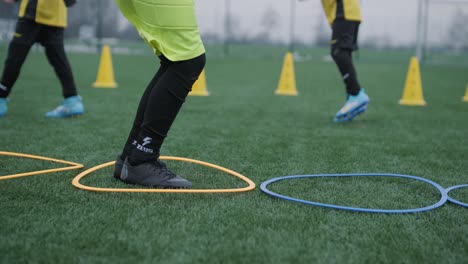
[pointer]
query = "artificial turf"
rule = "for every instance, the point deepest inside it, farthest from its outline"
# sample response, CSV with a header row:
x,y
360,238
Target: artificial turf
x,y
242,126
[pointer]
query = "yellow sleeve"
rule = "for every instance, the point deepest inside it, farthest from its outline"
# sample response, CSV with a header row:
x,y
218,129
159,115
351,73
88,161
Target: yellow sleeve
x,y
352,10
329,7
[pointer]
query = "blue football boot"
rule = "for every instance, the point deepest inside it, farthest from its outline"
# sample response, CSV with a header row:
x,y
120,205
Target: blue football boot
x,y
71,106
354,106
3,106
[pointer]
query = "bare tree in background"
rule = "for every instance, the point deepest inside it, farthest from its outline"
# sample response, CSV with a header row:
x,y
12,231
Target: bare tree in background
x,y
323,33
8,11
86,14
268,23
458,34
233,31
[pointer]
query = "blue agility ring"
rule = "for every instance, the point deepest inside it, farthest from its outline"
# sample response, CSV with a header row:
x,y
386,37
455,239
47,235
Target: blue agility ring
x,y
453,200
442,191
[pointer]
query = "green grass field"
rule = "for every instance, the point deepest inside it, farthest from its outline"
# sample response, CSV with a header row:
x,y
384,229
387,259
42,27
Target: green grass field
x,y
242,126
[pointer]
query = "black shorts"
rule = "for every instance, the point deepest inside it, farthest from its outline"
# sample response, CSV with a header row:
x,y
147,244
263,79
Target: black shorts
x,y
29,32
345,34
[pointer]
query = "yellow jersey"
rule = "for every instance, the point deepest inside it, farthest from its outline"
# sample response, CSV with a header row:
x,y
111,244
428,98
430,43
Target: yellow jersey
x,y
168,26
349,9
46,12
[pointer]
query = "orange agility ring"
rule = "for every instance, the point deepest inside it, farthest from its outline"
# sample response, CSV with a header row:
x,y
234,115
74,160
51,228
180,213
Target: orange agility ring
x,y
77,184
73,165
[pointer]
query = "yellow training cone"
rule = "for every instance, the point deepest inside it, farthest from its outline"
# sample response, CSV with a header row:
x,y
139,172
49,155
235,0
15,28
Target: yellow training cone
x,y
199,87
105,76
287,82
465,99
412,93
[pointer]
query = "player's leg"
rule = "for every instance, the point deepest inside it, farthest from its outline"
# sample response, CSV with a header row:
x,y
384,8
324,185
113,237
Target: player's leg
x,y
164,102
344,61
52,40
344,42
25,35
135,130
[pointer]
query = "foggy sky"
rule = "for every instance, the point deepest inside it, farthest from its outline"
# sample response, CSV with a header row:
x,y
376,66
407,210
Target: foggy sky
x,y
392,21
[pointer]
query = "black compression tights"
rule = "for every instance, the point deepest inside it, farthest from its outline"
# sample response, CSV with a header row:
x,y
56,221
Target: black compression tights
x,y
159,106
344,60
